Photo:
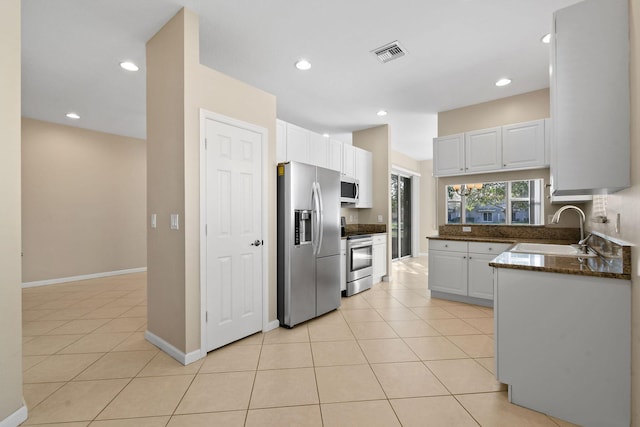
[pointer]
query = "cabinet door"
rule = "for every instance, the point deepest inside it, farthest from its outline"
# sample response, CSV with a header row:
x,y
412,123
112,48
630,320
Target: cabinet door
x,y
297,144
480,276
349,160
379,262
281,141
590,98
364,172
448,272
483,151
448,155
335,155
523,145
319,149
379,256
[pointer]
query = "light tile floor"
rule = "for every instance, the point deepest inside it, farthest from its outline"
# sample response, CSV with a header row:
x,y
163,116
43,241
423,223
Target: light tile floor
x,y
389,356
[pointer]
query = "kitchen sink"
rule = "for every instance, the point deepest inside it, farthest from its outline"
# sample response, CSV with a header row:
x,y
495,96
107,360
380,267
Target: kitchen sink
x,y
551,249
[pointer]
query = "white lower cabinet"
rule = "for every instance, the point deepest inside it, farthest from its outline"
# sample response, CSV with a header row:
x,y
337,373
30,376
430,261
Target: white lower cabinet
x,y
460,269
563,345
379,254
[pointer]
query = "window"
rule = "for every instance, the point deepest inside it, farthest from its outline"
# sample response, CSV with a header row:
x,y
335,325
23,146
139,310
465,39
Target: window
x,y
507,202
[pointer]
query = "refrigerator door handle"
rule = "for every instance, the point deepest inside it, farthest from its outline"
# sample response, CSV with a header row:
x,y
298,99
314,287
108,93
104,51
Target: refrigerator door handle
x,y
315,230
320,216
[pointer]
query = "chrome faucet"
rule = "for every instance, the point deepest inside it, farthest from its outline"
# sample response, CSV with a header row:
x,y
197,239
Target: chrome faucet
x,y
556,218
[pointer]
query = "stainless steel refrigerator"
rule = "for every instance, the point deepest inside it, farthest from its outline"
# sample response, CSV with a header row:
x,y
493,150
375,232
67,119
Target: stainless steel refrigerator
x,y
308,242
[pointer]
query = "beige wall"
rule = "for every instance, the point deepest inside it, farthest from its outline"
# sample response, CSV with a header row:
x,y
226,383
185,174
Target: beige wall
x,y
627,204
514,109
83,201
173,132
377,141
428,205
10,263
404,161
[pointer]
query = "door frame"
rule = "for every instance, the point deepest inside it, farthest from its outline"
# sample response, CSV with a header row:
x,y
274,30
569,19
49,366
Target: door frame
x,y
209,115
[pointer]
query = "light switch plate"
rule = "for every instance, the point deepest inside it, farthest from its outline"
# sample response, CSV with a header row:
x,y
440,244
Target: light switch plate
x,y
175,225
154,222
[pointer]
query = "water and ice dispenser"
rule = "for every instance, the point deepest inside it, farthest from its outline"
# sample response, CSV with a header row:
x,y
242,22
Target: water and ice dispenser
x,y
302,232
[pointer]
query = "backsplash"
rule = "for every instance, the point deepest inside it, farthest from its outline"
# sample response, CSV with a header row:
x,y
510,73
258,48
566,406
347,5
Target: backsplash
x,y
509,231
366,228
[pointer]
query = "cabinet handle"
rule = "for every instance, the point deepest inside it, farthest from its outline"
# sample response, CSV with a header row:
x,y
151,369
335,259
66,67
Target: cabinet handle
x,y
446,246
469,257
490,249
464,257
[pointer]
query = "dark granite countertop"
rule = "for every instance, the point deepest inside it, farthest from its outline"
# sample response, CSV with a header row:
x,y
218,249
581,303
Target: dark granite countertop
x,y
598,267
614,260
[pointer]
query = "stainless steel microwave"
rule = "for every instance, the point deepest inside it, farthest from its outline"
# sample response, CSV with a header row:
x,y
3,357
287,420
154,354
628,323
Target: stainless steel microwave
x,y
349,190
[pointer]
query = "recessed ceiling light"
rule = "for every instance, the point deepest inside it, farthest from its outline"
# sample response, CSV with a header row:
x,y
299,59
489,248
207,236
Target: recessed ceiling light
x,y
503,82
381,113
129,66
73,116
546,38
303,65
326,135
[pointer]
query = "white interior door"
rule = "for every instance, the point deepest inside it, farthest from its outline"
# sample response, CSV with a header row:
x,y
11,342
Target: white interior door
x,y
234,259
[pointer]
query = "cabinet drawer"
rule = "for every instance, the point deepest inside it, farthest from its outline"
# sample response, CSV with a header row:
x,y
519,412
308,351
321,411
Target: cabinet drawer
x,y
379,239
447,245
488,247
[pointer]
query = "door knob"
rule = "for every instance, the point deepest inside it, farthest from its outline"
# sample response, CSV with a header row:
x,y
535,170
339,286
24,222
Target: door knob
x,y
257,243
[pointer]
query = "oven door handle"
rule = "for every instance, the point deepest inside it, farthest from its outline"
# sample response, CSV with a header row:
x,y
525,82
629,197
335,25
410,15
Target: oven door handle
x,y
361,244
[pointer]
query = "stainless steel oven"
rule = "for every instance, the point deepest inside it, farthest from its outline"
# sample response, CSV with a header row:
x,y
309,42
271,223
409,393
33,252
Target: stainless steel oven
x,y
359,263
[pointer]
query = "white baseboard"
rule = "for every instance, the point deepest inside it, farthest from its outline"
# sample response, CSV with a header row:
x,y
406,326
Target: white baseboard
x,y
172,351
17,418
83,277
271,326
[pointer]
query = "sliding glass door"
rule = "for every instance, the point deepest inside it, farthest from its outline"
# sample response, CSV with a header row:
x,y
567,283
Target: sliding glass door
x,y
400,216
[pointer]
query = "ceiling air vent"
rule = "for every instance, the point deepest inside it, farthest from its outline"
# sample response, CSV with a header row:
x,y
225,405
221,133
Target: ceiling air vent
x,y
389,52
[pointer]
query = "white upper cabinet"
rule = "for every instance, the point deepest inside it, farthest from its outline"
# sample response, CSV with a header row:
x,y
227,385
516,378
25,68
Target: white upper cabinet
x,y
510,147
319,149
294,143
335,155
298,144
590,98
364,174
482,150
523,144
348,160
448,155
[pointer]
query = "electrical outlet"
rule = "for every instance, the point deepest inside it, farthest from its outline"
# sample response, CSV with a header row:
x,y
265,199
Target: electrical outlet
x,y
380,218
466,229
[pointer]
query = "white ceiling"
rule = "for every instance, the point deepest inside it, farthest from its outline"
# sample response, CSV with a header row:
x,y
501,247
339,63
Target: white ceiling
x,y
457,49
